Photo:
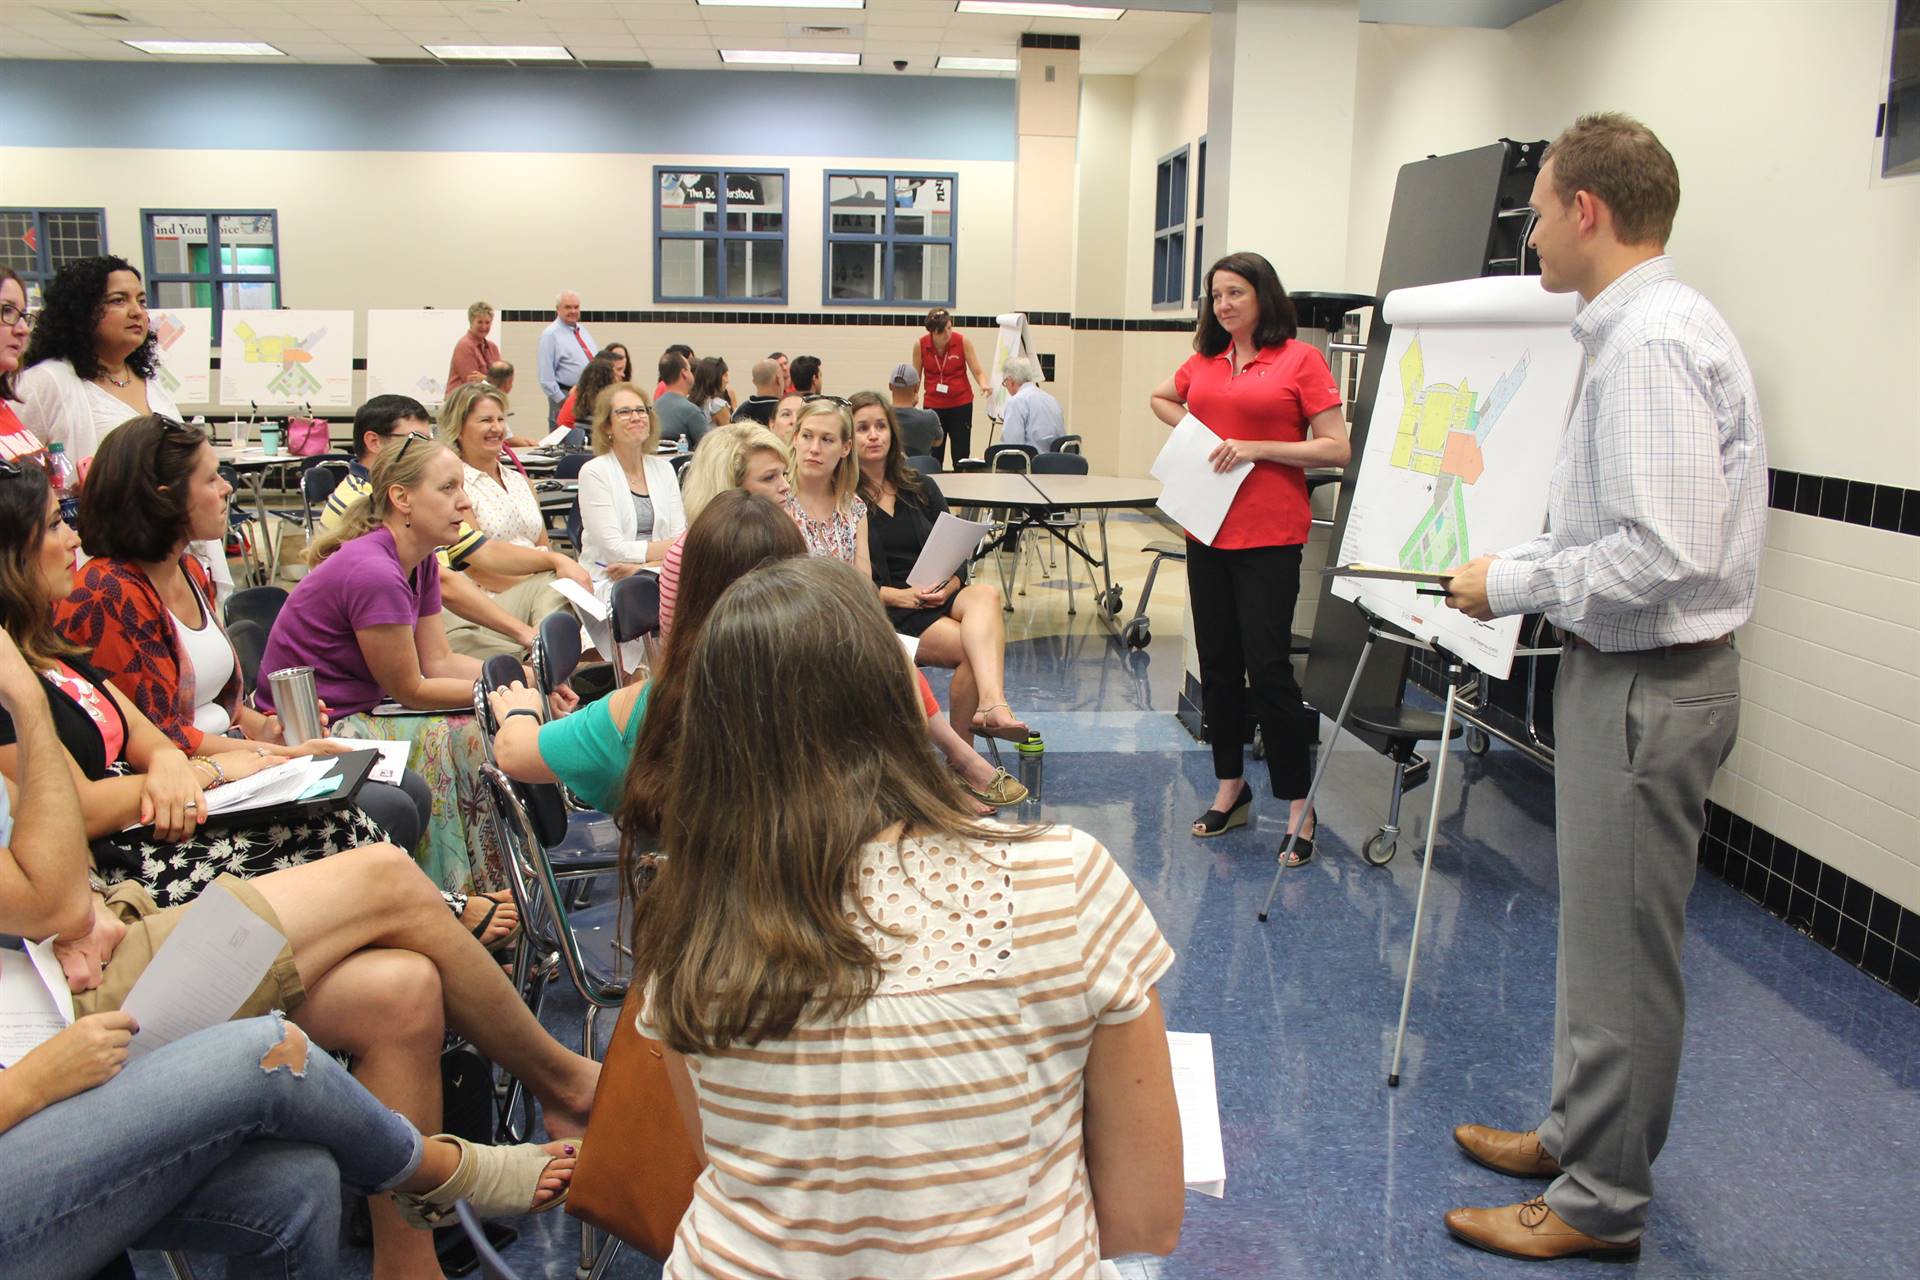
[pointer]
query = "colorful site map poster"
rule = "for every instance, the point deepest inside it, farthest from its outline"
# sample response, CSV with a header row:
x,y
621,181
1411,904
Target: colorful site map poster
x,y
287,359
183,340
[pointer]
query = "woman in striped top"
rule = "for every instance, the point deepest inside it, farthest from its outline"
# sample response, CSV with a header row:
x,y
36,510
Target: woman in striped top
x,y
909,1043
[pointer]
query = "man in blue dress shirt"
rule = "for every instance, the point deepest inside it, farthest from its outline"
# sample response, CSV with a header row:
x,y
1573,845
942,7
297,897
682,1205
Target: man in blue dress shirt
x,y
1655,517
1031,415
565,348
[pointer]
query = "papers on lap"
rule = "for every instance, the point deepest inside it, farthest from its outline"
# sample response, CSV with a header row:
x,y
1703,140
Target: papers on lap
x,y
1192,493
1194,1091
206,969
948,546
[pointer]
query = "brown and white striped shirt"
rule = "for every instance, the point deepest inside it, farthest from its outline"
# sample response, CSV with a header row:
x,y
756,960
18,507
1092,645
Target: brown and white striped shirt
x,y
936,1131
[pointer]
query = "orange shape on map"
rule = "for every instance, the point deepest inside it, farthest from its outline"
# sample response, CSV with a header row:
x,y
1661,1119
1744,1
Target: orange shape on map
x,y
1462,457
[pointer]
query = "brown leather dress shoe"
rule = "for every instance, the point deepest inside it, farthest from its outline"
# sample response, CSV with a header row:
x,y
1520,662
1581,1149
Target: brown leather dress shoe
x,y
1532,1232
1505,1151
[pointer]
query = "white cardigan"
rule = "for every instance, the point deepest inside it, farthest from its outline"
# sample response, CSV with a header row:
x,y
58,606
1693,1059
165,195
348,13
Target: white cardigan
x,y
609,530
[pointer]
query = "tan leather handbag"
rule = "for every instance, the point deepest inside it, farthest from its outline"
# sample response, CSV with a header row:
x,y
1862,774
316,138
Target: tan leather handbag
x,y
638,1164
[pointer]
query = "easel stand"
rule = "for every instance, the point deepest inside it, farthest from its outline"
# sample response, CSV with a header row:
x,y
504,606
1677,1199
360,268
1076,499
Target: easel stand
x,y
1456,672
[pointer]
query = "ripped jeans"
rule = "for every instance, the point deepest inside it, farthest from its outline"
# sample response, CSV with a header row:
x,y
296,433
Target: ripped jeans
x,y
213,1144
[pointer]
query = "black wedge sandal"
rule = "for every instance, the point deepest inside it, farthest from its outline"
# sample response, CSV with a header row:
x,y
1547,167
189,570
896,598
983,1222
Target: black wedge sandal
x,y
1213,822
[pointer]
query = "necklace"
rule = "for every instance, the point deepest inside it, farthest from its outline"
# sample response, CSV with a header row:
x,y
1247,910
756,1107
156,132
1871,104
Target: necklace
x,y
118,382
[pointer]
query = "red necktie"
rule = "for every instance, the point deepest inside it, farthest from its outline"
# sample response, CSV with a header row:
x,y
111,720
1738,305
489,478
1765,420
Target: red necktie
x,y
583,343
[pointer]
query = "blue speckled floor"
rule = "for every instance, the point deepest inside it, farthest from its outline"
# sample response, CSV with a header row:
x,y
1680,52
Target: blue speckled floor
x,y
1795,1148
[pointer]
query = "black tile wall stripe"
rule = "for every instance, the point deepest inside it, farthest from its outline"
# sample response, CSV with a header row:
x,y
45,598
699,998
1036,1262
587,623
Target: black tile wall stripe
x,y
1886,507
1869,930
854,316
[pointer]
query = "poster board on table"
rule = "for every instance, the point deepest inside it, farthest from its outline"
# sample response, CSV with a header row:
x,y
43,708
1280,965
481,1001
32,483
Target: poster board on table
x,y
1010,340
287,359
183,348
408,352
1478,379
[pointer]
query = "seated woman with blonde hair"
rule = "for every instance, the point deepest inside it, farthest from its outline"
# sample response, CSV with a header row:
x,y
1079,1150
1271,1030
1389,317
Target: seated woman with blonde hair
x,y
863,976
473,423
825,501
630,501
367,619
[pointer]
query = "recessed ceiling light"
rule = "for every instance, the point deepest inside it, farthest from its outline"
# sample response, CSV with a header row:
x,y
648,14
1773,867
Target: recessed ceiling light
x,y
222,48
1008,9
785,4
791,57
977,64
500,52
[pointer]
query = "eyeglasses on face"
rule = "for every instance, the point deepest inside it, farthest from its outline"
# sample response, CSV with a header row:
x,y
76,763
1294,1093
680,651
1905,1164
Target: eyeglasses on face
x,y
11,315
628,411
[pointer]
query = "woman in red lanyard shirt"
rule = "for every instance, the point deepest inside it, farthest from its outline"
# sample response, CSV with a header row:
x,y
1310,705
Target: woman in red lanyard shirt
x,y
1273,401
948,368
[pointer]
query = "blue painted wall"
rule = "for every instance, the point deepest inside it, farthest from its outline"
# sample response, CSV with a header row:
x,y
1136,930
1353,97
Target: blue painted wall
x,y
297,108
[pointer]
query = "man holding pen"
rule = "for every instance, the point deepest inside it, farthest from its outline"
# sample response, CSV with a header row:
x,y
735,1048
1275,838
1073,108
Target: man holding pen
x,y
1656,515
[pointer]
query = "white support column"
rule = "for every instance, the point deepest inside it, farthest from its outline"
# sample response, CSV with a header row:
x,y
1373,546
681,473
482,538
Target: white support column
x,y
1047,117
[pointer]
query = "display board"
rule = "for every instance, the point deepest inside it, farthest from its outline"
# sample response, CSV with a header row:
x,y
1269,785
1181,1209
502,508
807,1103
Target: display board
x,y
408,352
183,343
1475,390
1010,340
288,359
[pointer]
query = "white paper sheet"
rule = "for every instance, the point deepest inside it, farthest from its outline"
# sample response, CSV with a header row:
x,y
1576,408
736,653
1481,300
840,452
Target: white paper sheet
x,y
1192,493
281,784
393,757
949,546
581,598
41,953
215,957
1193,1090
29,1016
912,645
553,437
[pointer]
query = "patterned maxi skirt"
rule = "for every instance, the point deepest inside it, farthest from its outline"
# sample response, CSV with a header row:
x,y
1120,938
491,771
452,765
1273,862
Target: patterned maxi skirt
x,y
460,850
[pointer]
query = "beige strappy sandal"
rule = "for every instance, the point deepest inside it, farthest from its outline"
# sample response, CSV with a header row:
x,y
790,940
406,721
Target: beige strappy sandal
x,y
499,1182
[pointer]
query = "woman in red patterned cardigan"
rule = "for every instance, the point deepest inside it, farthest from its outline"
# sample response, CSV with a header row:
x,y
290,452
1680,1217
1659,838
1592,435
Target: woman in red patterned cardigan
x,y
144,609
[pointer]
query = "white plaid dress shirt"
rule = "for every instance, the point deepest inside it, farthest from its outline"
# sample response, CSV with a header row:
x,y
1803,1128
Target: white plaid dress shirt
x,y
1657,507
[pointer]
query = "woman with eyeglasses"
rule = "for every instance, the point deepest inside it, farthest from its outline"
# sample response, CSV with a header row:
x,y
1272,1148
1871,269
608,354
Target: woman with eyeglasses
x,y
367,618
17,443
90,366
473,423
630,509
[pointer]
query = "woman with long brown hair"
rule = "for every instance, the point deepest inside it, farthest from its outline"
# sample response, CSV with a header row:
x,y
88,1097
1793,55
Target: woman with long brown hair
x,y
949,368
862,976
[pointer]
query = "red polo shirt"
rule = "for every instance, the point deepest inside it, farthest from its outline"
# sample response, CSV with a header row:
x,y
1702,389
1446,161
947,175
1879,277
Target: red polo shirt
x,y
1271,399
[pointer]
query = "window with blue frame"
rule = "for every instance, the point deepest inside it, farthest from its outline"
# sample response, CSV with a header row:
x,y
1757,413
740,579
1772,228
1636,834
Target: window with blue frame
x,y
1170,230
221,259
720,235
890,239
38,242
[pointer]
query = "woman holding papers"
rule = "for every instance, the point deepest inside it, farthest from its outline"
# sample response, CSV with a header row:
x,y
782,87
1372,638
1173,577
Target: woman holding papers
x,y
958,626
367,619
473,423
142,608
142,798
1272,401
630,508
865,977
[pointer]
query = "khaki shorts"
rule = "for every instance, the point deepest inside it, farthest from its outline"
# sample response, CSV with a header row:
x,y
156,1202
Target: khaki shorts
x,y
148,926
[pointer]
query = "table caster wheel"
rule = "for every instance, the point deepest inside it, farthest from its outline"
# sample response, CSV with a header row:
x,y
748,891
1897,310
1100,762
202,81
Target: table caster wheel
x,y
1137,634
1379,849
1478,741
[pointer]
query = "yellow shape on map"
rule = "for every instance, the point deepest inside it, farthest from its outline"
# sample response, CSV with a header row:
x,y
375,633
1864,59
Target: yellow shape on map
x,y
1413,368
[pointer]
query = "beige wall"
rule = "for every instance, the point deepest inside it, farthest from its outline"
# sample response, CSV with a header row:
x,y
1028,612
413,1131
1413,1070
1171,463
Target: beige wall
x,y
1169,112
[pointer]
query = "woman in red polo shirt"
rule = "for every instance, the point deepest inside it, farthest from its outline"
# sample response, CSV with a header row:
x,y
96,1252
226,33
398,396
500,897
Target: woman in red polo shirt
x,y
1273,401
948,369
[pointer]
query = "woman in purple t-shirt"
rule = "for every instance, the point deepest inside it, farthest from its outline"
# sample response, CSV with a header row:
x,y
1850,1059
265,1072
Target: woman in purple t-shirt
x,y
367,619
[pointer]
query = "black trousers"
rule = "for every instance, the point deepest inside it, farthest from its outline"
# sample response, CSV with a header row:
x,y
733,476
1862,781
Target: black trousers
x,y
957,423
1242,604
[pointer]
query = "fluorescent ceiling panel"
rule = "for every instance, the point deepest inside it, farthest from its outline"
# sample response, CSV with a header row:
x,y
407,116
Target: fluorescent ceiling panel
x,y
949,63
790,57
500,52
784,4
206,48
1009,9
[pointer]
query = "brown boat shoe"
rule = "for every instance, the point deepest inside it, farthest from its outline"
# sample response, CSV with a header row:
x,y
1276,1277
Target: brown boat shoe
x,y
1505,1151
1532,1232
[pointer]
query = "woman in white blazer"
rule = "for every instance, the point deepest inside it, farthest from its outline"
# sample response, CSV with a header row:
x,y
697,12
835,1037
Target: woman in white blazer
x,y
630,510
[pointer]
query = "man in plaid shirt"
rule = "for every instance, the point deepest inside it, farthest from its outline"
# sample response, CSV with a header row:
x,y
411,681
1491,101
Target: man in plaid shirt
x,y
1656,513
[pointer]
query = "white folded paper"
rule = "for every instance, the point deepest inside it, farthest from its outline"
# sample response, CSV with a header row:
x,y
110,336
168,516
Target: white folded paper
x,y
553,437
31,1008
1199,1103
393,757
1192,493
580,598
949,546
211,962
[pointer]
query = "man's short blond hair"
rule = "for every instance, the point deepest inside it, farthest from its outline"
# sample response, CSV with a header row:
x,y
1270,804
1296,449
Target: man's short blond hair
x,y
1615,157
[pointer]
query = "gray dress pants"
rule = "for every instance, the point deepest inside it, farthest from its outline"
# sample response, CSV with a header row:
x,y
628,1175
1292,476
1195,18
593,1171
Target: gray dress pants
x,y
1638,738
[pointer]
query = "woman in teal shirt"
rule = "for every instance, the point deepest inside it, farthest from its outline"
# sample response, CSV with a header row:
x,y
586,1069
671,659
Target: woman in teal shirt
x,y
589,749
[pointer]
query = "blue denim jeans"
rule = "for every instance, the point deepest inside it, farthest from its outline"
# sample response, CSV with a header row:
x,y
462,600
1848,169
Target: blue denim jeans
x,y
196,1146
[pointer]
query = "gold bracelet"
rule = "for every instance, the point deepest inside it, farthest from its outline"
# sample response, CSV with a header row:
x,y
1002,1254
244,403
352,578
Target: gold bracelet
x,y
216,775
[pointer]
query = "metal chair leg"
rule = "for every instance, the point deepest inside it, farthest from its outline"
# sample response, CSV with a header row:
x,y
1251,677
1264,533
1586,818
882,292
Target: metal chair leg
x,y
178,1265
